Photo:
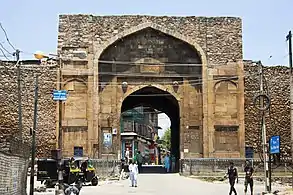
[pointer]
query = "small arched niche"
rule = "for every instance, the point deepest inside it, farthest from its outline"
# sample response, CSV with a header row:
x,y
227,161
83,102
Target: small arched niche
x,y
76,104
226,100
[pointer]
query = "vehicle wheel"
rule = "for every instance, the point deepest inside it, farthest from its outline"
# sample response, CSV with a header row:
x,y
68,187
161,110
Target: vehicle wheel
x,y
49,184
79,182
95,181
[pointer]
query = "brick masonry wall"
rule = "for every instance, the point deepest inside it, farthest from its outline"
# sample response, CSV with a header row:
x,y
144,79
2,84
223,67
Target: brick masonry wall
x,y
14,160
13,174
46,125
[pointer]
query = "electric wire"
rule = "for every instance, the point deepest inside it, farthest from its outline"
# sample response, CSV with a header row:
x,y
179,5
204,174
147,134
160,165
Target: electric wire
x,y
274,129
7,39
111,73
1,45
191,81
260,149
4,54
157,64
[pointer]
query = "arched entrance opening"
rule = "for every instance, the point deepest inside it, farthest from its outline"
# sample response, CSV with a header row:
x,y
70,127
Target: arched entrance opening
x,y
151,55
156,99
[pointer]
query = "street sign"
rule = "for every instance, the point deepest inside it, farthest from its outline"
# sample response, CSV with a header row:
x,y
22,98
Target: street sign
x,y
275,144
59,95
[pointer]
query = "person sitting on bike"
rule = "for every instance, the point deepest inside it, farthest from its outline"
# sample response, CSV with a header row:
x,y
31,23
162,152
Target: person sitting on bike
x,y
90,164
84,166
73,165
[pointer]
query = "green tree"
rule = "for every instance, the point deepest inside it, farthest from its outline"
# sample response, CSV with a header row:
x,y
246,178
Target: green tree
x,y
166,138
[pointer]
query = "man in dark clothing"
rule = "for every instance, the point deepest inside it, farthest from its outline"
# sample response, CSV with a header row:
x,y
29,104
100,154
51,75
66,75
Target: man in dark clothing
x,y
233,176
139,160
83,167
248,169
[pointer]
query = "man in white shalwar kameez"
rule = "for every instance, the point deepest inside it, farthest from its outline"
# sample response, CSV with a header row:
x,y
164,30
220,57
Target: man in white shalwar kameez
x,y
133,173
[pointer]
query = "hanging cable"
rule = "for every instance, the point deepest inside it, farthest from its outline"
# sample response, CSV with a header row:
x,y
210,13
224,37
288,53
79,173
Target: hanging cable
x,y
7,37
1,45
4,54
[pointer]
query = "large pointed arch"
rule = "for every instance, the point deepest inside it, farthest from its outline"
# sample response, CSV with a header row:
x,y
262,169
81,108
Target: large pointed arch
x,y
142,26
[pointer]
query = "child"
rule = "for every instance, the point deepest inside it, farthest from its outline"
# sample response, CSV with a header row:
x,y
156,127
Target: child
x,y
133,172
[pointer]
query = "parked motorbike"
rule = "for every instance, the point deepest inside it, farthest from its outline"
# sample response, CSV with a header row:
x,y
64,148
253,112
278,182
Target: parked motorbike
x,y
73,189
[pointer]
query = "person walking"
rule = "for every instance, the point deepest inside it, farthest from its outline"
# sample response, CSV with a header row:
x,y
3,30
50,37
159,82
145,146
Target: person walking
x,y
138,160
133,173
232,176
167,162
248,169
173,162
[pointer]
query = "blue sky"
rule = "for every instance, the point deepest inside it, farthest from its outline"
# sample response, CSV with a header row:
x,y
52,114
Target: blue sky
x,y
32,26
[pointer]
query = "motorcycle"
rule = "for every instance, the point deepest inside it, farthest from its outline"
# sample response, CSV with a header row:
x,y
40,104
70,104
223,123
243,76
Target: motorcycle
x,y
73,189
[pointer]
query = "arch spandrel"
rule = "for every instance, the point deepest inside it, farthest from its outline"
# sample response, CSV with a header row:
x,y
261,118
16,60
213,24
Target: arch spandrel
x,y
154,26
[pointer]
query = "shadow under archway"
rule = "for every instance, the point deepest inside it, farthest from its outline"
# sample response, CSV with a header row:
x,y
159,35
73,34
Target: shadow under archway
x,y
164,102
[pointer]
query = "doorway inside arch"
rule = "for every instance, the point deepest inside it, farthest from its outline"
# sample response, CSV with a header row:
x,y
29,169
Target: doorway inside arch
x,y
139,128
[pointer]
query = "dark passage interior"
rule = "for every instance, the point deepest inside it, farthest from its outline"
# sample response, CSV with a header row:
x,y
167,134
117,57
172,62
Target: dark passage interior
x,y
162,101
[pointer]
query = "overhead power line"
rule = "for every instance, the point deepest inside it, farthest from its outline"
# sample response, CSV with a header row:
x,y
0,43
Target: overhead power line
x,y
1,45
4,54
7,37
132,63
191,81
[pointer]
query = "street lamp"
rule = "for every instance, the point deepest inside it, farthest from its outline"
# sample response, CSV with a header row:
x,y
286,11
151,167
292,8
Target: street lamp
x,y
40,56
124,86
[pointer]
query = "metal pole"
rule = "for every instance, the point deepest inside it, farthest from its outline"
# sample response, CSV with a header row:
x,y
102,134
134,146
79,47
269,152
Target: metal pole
x,y
289,39
19,94
264,139
60,173
32,179
60,107
270,173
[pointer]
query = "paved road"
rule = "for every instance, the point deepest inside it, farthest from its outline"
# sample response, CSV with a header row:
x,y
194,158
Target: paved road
x,y
171,184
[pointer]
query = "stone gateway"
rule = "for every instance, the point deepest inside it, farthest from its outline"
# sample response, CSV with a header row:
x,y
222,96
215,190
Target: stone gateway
x,y
191,68
188,67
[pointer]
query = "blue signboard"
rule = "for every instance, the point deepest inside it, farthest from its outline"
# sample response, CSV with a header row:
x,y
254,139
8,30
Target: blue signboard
x,y
248,152
78,151
59,95
275,144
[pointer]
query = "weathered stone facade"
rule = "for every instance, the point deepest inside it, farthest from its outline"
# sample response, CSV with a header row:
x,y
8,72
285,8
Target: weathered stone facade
x,y
276,83
210,93
46,126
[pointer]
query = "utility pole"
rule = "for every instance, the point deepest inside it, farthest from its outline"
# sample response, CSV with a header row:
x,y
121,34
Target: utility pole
x,y
264,139
60,145
289,39
33,132
60,108
16,54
